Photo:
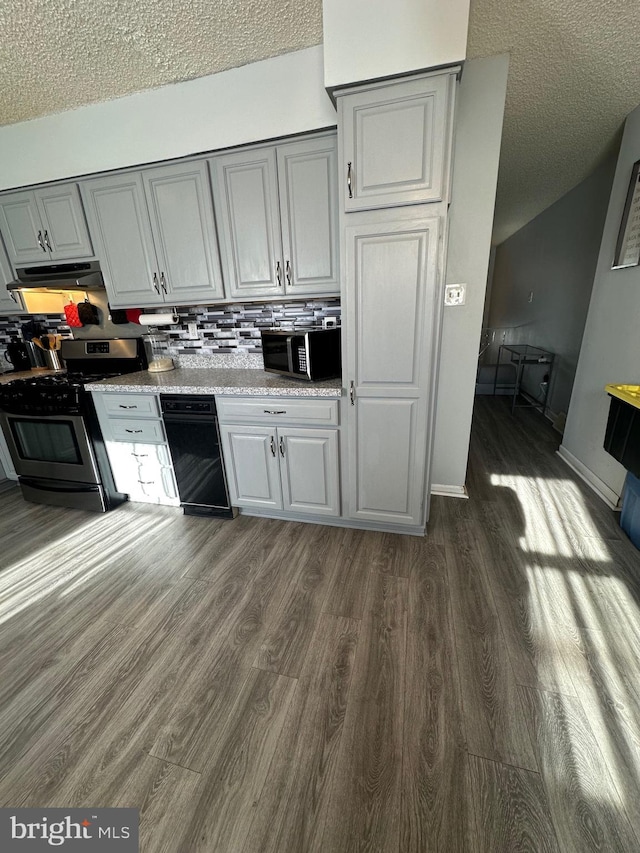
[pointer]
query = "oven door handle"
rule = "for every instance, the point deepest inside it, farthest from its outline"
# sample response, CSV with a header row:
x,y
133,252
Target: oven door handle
x,y
58,486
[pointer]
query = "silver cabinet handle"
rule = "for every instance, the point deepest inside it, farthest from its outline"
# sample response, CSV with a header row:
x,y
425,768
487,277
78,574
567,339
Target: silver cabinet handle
x,y
40,243
288,273
352,393
275,411
12,295
282,447
163,284
349,187
133,430
278,274
273,446
155,282
139,455
147,482
46,240
127,407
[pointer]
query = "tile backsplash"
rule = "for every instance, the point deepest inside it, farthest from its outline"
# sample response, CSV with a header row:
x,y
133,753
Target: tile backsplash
x,y
221,329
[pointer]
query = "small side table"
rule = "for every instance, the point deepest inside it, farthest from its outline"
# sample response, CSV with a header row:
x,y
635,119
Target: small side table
x,y
521,355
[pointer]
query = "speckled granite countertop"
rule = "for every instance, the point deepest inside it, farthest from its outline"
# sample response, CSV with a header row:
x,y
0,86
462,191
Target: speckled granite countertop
x,y
206,380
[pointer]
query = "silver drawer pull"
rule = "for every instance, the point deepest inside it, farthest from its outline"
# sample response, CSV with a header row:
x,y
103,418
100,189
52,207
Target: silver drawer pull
x,y
275,411
273,446
139,455
133,430
127,407
282,447
147,482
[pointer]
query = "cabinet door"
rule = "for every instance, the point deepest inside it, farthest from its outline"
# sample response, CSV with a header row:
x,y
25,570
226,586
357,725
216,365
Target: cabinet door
x,y
182,222
396,139
245,192
9,303
389,360
144,472
309,470
119,224
65,231
308,183
21,228
251,465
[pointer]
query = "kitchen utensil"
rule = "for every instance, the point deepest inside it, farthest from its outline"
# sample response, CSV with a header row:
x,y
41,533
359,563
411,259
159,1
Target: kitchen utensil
x,y
71,315
88,313
17,354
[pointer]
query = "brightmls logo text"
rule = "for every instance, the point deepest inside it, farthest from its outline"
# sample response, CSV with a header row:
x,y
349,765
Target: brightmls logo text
x,y
85,830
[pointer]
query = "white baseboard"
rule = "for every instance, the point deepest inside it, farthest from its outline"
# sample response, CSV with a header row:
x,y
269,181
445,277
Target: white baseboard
x,y
603,491
449,491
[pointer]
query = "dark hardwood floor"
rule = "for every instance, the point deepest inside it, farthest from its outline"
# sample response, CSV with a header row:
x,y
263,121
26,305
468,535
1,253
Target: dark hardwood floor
x,y
259,686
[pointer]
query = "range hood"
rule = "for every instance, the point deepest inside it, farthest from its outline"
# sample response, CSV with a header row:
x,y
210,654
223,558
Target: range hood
x,y
58,277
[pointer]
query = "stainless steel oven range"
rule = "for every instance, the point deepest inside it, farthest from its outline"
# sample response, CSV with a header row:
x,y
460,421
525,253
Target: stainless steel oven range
x,y
52,430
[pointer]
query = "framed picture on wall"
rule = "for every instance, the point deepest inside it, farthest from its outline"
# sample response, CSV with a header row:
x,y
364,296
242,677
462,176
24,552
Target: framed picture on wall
x,y
628,245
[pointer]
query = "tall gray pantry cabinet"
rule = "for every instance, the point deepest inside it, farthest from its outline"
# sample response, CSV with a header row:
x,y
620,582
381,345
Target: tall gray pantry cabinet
x,y
395,142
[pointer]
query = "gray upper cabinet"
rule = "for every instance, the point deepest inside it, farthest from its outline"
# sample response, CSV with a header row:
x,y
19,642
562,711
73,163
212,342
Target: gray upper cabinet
x,y
184,233
245,191
277,215
155,236
119,223
8,304
308,183
395,142
45,224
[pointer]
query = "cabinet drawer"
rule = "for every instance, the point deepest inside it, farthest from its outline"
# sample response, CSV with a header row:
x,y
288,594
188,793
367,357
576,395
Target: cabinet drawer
x,y
140,405
291,410
135,429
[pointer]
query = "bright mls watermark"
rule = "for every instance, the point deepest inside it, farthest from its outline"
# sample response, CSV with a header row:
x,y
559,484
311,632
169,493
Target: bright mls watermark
x,y
82,830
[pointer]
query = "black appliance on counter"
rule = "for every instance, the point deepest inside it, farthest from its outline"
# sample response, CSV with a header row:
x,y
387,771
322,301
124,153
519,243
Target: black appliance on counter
x,y
191,425
52,430
312,355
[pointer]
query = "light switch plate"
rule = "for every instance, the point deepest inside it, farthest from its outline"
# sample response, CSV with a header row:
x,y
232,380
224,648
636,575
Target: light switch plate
x,y
455,294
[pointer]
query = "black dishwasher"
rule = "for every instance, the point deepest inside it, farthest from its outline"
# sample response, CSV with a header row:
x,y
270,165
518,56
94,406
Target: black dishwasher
x,y
191,425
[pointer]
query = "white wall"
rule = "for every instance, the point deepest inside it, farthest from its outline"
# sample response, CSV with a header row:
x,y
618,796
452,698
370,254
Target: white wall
x,y
480,111
276,97
368,39
611,346
554,257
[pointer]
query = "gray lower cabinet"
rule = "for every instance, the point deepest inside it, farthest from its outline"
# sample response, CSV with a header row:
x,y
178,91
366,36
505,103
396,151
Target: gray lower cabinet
x,y
43,225
391,314
154,233
277,215
137,447
395,141
274,461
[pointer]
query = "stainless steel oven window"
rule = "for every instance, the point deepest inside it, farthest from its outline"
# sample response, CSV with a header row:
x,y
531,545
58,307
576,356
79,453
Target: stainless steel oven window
x,y
43,440
56,447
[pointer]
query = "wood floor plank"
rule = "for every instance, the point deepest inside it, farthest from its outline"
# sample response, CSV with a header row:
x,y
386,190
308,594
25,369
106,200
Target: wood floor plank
x,y
522,599
348,589
494,722
237,770
512,811
212,683
364,812
291,811
284,648
436,807
586,809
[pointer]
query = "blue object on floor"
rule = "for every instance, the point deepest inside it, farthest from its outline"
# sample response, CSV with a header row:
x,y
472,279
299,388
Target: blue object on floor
x,y
630,515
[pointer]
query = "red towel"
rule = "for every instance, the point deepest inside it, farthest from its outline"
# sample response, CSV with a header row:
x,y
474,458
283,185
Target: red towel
x,y
71,313
133,314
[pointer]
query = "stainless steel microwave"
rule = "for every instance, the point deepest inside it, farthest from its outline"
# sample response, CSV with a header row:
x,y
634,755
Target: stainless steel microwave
x,y
312,355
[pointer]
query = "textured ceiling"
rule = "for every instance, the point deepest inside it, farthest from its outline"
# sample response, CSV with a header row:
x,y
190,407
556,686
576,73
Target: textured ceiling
x,y
574,72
